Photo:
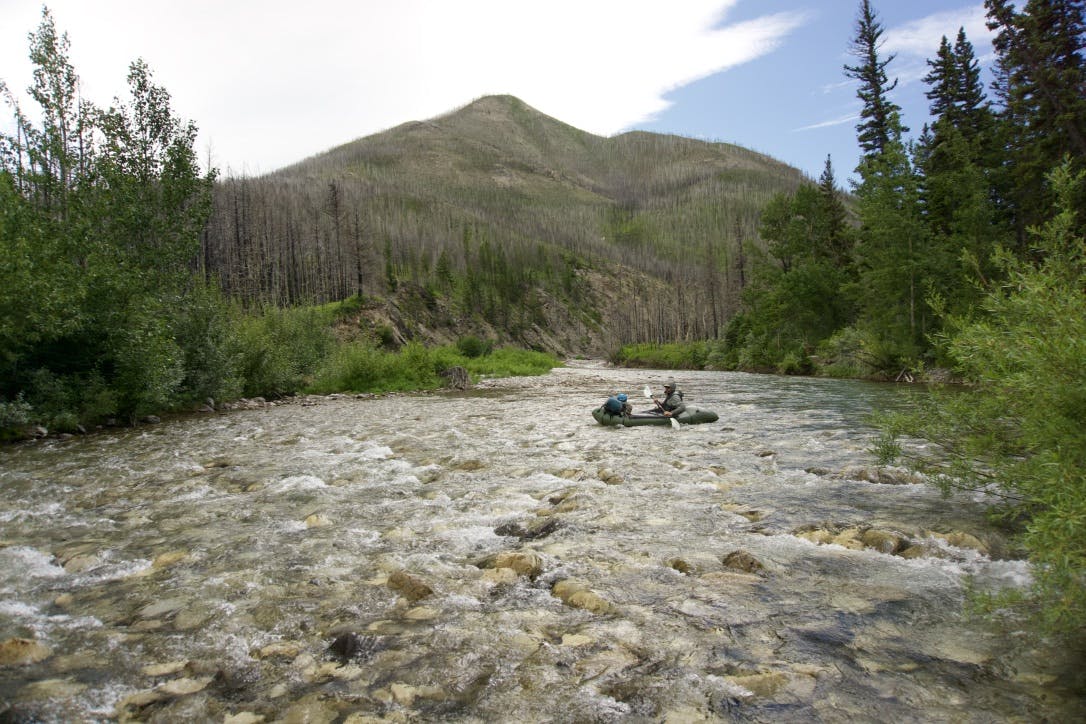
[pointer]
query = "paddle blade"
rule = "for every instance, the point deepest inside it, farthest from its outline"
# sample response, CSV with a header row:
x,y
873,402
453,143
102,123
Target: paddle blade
x,y
674,423
648,392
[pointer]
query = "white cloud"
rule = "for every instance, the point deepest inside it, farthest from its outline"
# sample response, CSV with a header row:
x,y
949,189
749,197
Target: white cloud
x,y
840,120
270,82
920,38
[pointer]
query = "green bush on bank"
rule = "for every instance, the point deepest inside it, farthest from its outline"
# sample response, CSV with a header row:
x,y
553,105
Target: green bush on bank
x,y
672,355
1019,429
358,367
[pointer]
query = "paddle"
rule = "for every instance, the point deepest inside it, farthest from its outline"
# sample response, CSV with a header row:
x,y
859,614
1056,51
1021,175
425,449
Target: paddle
x,y
648,394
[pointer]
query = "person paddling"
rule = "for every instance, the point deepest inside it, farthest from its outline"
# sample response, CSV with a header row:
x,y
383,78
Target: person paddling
x,y
672,404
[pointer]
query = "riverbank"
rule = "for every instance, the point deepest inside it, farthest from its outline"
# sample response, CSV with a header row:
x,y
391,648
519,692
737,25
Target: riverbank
x,y
711,355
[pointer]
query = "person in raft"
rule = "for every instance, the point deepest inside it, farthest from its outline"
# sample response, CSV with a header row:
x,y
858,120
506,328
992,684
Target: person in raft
x,y
619,405
672,403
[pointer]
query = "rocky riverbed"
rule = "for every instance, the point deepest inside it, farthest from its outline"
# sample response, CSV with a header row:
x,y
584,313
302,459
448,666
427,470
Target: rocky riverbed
x,y
497,555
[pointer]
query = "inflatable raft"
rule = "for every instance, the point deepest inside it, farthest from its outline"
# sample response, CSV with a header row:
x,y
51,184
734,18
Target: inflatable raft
x,y
691,416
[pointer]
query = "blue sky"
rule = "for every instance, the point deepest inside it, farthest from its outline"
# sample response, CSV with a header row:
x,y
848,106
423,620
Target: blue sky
x,y
270,82
796,104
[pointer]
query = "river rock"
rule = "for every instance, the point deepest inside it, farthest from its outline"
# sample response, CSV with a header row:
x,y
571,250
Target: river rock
x,y
243,717
680,565
577,595
311,709
532,530
883,541
22,652
80,563
51,689
609,476
279,649
410,587
818,536
161,608
164,560
958,539
761,685
886,475
742,561
525,563
131,707
184,687
167,669
405,694
500,576
849,538
317,520
421,613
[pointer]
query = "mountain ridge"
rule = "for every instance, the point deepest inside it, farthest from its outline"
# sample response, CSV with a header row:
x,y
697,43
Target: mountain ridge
x,y
670,220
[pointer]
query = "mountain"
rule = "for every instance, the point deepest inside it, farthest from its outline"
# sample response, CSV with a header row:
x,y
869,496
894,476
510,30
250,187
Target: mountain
x,y
496,219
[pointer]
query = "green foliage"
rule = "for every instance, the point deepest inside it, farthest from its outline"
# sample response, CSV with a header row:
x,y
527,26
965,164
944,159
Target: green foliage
x,y
100,216
14,414
204,331
512,362
1021,426
471,346
796,297
674,355
280,349
357,367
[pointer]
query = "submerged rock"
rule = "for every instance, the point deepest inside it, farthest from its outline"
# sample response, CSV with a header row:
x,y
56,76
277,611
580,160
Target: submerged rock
x,y
609,476
742,561
524,563
577,595
22,652
881,475
410,587
532,530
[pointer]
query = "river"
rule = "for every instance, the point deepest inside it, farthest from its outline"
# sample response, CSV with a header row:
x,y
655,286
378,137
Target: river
x,y
496,555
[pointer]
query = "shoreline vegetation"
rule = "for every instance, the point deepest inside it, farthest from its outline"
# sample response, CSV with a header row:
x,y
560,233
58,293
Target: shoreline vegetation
x,y
280,354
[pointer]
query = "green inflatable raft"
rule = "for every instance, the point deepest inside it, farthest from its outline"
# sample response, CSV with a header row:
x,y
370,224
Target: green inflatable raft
x,y
691,416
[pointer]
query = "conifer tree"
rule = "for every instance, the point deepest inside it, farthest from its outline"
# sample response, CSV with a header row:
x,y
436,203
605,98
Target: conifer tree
x,y
832,227
877,128
1040,82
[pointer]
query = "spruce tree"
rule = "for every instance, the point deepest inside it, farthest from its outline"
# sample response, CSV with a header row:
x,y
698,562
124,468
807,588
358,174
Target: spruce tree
x,y
1040,82
878,127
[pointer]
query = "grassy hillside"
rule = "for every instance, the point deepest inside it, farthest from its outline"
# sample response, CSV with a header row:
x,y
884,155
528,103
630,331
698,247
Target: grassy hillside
x,y
498,219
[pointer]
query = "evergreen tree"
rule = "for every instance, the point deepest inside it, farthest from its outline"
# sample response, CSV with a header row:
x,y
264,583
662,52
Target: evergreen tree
x,y
974,111
831,226
955,160
942,80
877,128
1040,81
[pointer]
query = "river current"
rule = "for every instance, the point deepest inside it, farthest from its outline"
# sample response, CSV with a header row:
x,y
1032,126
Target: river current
x,y
496,555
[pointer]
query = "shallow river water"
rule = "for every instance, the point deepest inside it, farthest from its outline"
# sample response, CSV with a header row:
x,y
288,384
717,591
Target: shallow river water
x,y
496,555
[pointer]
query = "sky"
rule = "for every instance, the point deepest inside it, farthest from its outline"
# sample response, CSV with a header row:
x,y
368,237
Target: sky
x,y
271,82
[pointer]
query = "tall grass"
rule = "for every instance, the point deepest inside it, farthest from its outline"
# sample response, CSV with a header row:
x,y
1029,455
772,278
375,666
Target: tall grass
x,y
673,355
359,367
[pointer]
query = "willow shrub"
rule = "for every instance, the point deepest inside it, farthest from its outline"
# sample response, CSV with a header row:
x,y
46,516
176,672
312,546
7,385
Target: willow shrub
x,y
360,367
279,350
673,355
1020,429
